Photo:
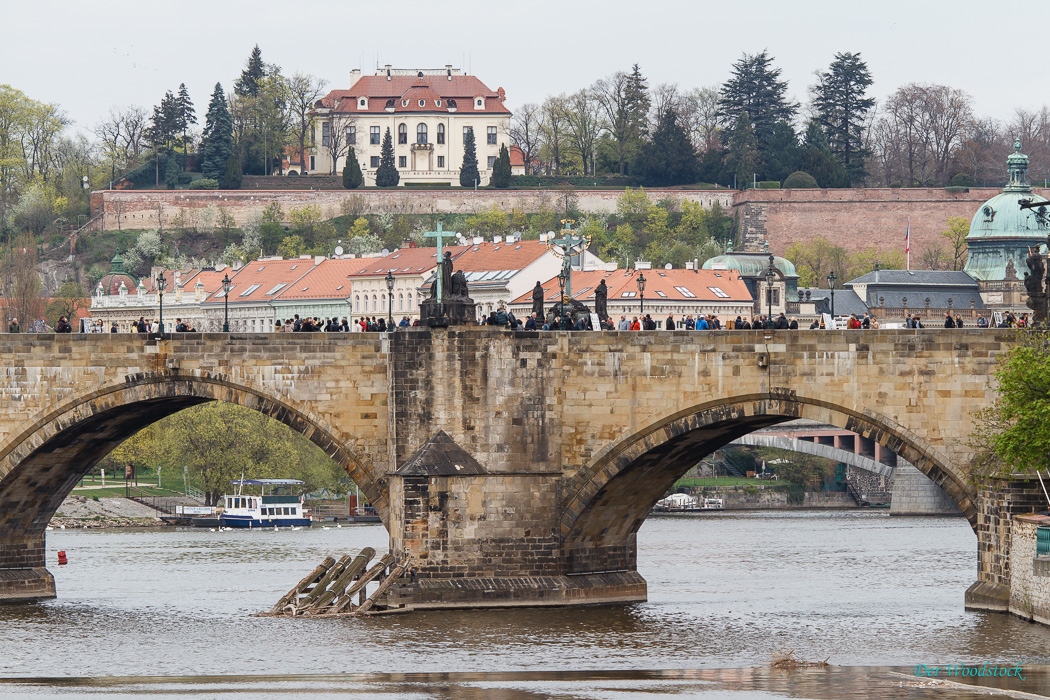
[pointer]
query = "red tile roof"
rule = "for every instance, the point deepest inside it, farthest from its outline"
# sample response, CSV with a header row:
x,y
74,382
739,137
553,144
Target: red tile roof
x,y
517,158
489,256
326,281
659,285
262,280
406,261
461,88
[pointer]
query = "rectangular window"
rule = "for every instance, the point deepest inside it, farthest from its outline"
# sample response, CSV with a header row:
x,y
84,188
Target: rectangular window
x,y
326,134
249,290
719,293
773,297
467,130
375,161
628,295
441,161
402,161
441,133
492,161
686,293
492,136
313,166
373,135
351,135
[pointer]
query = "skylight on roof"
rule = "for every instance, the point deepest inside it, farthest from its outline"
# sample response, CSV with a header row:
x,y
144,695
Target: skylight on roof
x,y
276,288
660,294
686,293
582,291
395,257
294,266
627,295
249,290
338,288
261,269
719,293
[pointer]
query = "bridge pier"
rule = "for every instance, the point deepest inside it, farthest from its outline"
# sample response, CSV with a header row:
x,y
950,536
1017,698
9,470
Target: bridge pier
x,y
22,573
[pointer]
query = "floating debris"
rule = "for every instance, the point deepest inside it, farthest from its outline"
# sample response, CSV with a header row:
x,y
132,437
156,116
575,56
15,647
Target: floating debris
x,y
782,659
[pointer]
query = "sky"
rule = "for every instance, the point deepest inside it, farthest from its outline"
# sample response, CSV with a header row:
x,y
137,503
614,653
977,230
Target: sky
x,y
90,57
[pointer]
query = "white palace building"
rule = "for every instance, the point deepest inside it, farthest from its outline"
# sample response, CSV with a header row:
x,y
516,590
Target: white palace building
x,y
428,113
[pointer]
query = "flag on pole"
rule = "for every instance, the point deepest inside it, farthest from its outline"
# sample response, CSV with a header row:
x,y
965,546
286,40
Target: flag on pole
x,y
907,243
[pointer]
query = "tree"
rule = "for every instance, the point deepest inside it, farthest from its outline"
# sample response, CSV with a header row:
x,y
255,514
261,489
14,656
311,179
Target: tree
x,y
701,117
187,116
1012,436
583,117
553,128
501,170
842,109
217,140
352,176
122,137
755,88
819,161
817,257
19,284
958,229
525,133
303,91
668,158
784,153
799,180
468,172
336,143
387,175
68,300
624,99
251,77
234,173
743,152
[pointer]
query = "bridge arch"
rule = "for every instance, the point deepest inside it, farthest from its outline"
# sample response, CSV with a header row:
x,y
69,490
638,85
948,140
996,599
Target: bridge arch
x,y
609,498
42,463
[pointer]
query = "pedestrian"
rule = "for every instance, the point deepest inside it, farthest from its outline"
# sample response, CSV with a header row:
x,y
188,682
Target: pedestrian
x,y
624,324
793,325
530,324
404,322
501,317
13,326
958,321
669,324
982,322
781,323
635,325
113,328
63,325
949,322
180,327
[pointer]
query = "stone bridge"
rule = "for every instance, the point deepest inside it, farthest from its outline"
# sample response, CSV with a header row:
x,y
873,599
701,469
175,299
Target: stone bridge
x,y
569,438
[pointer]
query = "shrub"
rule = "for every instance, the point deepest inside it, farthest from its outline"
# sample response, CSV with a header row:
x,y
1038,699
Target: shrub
x,y
205,183
799,180
767,185
962,180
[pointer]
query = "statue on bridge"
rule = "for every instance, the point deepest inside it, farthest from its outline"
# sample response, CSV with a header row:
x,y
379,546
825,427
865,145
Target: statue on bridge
x,y
1037,289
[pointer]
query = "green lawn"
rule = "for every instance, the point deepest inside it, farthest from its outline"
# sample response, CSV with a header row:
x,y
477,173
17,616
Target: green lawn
x,y
719,481
115,489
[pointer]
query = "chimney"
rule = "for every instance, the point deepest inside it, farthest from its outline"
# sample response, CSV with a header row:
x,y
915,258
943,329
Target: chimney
x,y
388,71
448,70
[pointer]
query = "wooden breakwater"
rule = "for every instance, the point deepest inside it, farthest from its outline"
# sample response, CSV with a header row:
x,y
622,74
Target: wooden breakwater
x,y
331,588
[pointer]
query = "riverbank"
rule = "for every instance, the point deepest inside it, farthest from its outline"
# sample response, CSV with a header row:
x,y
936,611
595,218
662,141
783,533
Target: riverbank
x,y
86,513
764,497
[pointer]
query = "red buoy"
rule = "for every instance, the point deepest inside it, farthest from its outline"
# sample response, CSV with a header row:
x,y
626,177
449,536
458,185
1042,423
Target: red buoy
x,y
62,558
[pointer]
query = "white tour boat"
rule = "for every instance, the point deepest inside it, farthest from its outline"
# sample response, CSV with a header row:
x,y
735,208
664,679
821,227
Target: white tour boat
x,y
273,509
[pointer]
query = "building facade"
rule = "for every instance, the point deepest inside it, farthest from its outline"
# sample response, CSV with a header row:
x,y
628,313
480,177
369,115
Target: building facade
x,y
428,114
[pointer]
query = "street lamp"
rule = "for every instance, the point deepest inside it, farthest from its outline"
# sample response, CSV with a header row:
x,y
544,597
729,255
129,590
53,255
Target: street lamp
x,y
161,284
771,274
226,303
389,300
561,299
641,294
831,286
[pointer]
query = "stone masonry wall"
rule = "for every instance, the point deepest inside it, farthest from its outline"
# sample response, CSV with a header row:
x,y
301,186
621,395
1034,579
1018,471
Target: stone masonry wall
x,y
139,209
1029,574
855,218
914,494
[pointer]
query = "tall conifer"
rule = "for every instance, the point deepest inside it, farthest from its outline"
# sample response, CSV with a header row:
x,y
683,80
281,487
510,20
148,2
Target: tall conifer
x,y
217,139
387,175
468,172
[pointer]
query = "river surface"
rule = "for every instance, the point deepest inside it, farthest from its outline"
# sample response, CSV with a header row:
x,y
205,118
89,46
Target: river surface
x,y
166,612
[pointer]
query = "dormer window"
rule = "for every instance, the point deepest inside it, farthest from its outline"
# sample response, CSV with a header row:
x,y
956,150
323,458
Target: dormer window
x,y
404,103
422,103
362,103
390,105
437,102
479,103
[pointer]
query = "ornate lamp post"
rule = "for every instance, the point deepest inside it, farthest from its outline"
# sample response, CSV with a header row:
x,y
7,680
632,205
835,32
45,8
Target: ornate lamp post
x,y
226,303
389,301
161,284
771,274
831,286
641,294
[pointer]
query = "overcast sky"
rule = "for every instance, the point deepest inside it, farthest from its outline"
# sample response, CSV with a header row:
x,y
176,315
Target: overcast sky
x,y
91,56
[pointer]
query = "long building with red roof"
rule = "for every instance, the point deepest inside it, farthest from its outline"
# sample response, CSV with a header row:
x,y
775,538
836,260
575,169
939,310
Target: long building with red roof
x,y
428,113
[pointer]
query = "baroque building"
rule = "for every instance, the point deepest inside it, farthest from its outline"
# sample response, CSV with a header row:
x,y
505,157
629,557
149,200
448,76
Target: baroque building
x,y
428,113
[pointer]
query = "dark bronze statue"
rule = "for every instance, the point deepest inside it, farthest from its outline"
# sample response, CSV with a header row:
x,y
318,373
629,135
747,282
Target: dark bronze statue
x,y
601,301
537,301
1033,284
459,285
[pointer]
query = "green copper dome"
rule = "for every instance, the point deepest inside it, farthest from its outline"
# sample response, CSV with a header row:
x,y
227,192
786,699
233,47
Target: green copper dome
x,y
1001,232
750,264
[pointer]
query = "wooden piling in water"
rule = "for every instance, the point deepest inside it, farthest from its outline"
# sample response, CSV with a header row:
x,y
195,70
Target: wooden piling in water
x,y
344,600
293,595
395,574
352,570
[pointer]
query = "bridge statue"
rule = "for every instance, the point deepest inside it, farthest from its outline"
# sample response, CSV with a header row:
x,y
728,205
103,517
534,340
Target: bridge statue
x,y
449,303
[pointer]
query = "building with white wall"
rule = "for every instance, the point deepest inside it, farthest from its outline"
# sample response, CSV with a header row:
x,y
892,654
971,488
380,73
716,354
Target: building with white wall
x,y
428,113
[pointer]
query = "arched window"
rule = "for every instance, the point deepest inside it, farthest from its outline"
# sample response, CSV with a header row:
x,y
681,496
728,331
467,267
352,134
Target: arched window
x,y
410,300
441,133
421,134
357,304
375,303
400,302
402,133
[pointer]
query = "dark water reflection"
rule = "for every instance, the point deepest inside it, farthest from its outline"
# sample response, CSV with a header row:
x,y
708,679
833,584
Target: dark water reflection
x,y
726,590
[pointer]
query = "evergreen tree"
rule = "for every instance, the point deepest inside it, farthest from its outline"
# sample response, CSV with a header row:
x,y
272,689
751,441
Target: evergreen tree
x,y
668,158
637,94
755,88
468,172
217,139
501,170
352,176
819,161
842,109
251,77
186,117
743,152
387,175
234,173
783,156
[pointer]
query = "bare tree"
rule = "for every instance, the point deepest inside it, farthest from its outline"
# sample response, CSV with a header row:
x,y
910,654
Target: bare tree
x,y
337,138
45,123
700,117
554,128
122,136
1033,129
19,284
625,105
584,121
303,92
665,97
525,133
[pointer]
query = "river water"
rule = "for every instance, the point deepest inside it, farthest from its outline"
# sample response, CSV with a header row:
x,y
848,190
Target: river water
x,y
166,612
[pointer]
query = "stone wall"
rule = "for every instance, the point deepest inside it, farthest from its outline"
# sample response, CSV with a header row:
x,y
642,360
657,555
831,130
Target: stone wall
x,y
767,498
141,209
1029,574
914,494
855,218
